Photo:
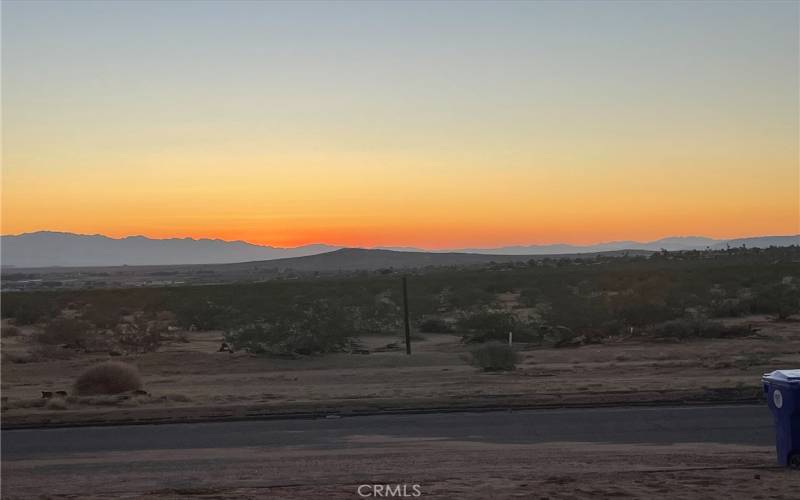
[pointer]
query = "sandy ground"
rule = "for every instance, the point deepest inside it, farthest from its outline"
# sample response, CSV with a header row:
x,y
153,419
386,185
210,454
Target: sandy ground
x,y
194,380
442,469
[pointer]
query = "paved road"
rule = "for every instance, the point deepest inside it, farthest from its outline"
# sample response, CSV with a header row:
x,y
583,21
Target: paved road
x,y
747,425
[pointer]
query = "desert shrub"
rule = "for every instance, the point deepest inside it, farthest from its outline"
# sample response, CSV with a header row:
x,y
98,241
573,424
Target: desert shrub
x,y
102,316
139,336
110,377
637,310
731,307
376,316
559,336
255,338
689,328
579,313
782,299
205,315
487,325
10,331
314,328
494,356
494,325
67,331
434,325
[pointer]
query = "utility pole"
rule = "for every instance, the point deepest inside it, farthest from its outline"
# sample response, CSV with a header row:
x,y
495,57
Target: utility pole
x,y
405,315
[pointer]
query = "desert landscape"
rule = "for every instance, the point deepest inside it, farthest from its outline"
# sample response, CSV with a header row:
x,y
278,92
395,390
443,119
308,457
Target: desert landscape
x,y
193,381
303,387
450,249
188,373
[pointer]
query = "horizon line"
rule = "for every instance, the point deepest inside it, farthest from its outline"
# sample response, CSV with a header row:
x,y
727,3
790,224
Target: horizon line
x,y
389,247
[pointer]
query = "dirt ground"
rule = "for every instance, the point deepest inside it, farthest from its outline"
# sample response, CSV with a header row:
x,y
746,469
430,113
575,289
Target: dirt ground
x,y
193,380
442,469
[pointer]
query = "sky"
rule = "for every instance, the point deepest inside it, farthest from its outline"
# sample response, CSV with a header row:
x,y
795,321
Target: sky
x,y
427,124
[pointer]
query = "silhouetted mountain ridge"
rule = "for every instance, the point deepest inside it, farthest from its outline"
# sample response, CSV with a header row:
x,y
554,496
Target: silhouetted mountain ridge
x,y
371,259
50,248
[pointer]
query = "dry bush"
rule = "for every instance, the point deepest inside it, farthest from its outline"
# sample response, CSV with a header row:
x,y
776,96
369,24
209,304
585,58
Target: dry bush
x,y
66,331
309,329
435,325
697,328
494,356
110,377
139,336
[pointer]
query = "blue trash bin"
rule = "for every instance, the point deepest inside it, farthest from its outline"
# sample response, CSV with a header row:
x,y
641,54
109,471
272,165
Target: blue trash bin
x,y
782,389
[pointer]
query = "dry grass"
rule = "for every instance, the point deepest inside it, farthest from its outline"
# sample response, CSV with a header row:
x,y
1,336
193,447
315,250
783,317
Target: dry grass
x,y
110,377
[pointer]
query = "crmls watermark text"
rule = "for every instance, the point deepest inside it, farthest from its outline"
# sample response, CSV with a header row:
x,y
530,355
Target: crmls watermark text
x,y
389,490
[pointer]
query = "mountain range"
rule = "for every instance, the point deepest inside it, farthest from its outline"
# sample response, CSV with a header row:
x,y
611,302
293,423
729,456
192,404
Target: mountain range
x,y
48,248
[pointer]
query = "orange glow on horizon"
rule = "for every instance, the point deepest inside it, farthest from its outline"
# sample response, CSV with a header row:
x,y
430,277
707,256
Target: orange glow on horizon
x,y
420,134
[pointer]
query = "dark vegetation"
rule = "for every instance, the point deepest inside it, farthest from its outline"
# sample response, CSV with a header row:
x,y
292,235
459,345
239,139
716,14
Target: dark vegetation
x,y
494,356
557,302
65,331
434,325
110,377
313,328
689,328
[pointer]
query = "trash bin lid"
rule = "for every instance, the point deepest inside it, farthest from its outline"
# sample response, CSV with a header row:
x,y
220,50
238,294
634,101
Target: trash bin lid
x,y
785,376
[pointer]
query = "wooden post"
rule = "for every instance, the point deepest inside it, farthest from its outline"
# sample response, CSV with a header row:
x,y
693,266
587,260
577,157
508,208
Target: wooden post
x,y
405,315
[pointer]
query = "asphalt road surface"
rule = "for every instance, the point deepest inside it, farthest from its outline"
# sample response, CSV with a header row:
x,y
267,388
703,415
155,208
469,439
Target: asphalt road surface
x,y
750,425
445,451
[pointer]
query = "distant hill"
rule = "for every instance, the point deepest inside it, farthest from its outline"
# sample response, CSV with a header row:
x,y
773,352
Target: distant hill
x,y
361,259
47,249
672,244
760,242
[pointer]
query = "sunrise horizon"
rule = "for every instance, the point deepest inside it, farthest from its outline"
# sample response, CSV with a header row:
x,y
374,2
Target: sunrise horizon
x,y
523,243
395,124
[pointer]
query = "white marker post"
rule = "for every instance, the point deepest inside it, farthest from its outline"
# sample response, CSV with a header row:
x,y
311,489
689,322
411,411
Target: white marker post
x,y
510,339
